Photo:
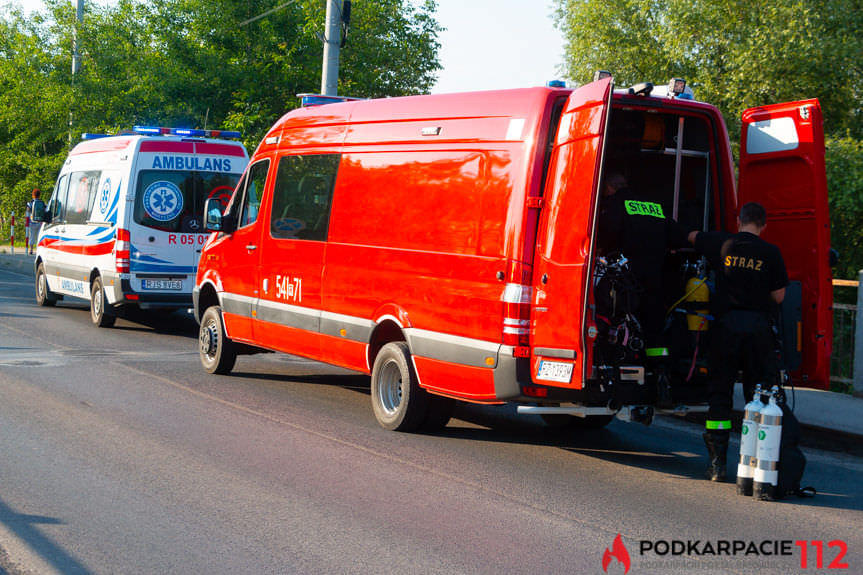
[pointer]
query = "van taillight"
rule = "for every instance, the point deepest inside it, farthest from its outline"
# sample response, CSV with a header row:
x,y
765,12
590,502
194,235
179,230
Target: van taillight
x,y
121,251
516,314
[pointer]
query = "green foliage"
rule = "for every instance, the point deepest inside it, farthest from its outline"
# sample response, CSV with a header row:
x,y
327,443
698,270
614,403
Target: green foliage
x,y
845,182
189,63
737,54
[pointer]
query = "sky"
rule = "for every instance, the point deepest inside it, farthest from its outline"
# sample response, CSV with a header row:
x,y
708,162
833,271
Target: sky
x,y
494,44
487,44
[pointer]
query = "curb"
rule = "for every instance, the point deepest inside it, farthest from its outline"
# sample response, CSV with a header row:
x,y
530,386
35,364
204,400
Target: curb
x,y
811,436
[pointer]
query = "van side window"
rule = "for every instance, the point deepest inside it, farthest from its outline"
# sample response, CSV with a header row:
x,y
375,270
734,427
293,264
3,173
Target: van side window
x,y
254,191
302,196
58,200
82,192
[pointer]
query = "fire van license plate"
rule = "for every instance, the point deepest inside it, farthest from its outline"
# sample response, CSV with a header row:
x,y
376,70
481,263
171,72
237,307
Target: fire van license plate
x,y
555,371
162,284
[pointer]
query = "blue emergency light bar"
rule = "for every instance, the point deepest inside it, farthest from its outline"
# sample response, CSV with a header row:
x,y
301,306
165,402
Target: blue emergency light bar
x,y
307,100
91,136
194,132
555,84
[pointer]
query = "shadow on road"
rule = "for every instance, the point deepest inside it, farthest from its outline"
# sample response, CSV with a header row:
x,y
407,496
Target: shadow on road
x,y
24,527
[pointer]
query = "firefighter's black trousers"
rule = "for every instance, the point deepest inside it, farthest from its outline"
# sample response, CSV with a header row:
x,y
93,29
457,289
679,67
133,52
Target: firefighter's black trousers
x,y
744,340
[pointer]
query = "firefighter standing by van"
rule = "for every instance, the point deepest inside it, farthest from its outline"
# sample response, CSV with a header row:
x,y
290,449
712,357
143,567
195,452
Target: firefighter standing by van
x,y
750,283
640,231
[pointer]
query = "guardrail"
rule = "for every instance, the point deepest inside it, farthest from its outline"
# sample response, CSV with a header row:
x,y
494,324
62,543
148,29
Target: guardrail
x,y
846,362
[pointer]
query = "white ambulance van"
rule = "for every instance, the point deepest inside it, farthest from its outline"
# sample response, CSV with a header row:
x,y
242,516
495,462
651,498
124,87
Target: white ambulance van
x,y
124,224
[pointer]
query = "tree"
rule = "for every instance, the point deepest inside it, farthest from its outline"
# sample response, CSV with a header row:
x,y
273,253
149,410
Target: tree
x,y
191,63
738,54
33,112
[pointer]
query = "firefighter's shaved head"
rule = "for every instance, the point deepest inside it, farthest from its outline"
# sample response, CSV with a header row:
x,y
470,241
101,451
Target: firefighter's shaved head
x,y
614,181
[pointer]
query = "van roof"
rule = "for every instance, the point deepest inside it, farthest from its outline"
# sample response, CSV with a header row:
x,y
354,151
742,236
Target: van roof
x,y
454,105
173,144
526,103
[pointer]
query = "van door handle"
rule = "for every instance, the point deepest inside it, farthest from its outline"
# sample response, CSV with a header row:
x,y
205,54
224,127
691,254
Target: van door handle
x,y
251,247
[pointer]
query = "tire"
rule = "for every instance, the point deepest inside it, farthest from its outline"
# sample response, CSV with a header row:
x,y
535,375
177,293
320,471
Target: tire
x,y
576,422
44,297
439,412
218,353
398,401
101,313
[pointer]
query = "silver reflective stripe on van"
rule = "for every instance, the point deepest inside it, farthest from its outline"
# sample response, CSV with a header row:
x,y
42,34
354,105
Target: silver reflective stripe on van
x,y
289,315
237,304
424,343
356,329
451,348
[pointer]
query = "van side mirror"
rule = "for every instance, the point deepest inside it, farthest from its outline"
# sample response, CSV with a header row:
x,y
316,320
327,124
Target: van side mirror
x,y
215,220
212,215
44,218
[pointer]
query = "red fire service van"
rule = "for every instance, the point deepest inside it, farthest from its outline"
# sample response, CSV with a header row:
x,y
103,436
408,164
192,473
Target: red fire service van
x,y
446,245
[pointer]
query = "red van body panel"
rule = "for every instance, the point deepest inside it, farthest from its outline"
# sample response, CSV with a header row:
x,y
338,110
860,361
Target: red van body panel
x,y
562,268
782,167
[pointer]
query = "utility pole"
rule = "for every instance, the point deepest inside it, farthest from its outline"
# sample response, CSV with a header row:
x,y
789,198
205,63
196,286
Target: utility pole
x,y
332,44
76,58
79,14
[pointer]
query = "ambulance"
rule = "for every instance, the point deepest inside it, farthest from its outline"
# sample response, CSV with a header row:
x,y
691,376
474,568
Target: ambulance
x,y
124,225
447,246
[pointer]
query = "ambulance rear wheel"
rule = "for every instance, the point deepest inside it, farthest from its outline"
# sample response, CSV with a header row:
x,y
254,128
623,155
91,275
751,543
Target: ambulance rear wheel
x,y
218,353
575,422
44,297
399,403
100,313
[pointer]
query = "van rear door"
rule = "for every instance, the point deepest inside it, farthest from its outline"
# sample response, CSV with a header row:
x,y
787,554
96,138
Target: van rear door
x,y
562,262
782,167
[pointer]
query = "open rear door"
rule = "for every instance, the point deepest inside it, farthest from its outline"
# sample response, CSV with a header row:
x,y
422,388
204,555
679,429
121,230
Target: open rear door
x,y
559,355
782,167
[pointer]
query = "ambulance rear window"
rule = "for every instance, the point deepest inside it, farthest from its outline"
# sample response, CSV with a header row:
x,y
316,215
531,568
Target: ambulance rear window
x,y
173,201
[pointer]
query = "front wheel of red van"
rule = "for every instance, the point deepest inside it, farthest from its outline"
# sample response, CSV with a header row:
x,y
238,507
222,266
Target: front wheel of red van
x,y
218,353
399,403
100,313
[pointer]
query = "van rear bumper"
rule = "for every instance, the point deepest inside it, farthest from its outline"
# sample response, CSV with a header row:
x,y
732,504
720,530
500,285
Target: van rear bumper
x,y
513,382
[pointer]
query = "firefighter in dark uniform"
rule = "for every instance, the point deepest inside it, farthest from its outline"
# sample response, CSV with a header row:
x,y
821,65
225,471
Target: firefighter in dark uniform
x,y
750,284
640,230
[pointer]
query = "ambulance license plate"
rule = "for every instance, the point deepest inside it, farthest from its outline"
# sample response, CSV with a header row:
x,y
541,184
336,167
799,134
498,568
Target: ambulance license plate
x,y
555,371
162,284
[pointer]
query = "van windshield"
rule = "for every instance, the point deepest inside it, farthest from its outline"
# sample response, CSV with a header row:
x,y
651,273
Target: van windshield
x,y
173,201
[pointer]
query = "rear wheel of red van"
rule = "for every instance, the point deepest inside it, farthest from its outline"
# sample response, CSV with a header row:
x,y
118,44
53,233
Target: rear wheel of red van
x,y
218,353
100,313
398,401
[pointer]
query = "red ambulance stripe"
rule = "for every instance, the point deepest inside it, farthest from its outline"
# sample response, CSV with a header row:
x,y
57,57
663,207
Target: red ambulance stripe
x,y
173,147
219,149
101,145
87,250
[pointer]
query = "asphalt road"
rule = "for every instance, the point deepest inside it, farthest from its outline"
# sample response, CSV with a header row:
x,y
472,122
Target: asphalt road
x,y
118,454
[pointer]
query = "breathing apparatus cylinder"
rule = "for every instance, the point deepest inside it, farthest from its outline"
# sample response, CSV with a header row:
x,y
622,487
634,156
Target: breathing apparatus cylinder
x,y
767,451
697,293
749,443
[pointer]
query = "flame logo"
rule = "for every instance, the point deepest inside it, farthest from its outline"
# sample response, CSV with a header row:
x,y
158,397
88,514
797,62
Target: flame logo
x,y
619,552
